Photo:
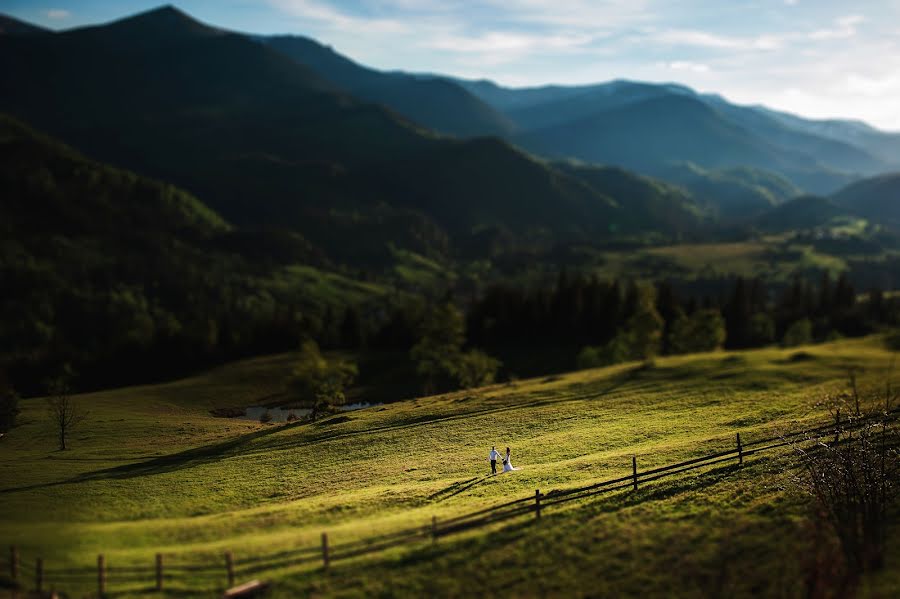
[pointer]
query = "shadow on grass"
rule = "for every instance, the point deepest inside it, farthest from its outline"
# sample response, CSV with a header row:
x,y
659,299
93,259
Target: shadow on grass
x,y
169,463
459,487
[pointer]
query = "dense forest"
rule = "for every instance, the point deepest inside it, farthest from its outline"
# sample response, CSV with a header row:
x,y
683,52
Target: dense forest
x,y
115,278
581,311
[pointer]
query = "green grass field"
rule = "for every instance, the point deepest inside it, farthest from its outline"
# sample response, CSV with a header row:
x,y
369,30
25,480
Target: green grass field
x,y
773,258
151,471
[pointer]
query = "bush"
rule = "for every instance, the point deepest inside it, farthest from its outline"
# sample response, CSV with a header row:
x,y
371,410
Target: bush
x,y
589,357
853,482
476,369
319,380
704,330
762,329
799,333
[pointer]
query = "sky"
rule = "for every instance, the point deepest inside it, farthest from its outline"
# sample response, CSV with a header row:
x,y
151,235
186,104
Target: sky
x,y
816,58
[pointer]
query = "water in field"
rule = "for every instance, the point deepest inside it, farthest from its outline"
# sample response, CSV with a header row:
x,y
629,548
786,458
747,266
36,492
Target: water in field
x,y
357,406
278,414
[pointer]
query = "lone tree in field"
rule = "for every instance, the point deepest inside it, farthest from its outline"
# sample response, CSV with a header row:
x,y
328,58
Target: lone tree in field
x,y
321,380
65,413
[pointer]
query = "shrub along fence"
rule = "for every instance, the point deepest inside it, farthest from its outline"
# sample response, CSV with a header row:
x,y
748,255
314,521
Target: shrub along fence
x,y
155,576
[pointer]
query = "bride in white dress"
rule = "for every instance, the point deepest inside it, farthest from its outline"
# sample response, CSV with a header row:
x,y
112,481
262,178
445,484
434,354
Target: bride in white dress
x,y
507,463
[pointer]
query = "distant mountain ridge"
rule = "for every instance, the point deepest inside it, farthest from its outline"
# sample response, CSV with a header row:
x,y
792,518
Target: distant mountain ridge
x,y
592,122
434,102
266,141
581,122
11,26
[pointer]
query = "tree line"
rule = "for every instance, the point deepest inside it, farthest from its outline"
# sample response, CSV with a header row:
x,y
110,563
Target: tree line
x,y
610,321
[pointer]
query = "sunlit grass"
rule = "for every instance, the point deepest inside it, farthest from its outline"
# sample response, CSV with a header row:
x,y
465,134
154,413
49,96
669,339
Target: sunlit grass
x,y
151,470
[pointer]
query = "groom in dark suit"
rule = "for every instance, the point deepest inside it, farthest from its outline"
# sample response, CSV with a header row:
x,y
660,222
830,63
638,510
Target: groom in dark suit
x,y
493,458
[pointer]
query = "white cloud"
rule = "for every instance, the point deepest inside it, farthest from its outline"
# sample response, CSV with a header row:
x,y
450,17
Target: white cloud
x,y
57,14
888,85
590,15
704,39
686,65
500,41
844,27
337,19
498,47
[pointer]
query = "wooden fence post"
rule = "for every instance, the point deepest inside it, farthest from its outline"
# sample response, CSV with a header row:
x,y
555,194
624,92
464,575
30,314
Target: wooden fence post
x,y
14,563
325,560
537,504
229,566
159,572
740,450
101,574
434,529
39,575
634,471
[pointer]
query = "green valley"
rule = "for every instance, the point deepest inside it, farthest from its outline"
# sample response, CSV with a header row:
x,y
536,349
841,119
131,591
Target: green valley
x,y
151,470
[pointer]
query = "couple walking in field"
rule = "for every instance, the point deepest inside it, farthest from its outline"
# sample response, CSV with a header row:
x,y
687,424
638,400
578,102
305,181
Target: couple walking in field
x,y
507,462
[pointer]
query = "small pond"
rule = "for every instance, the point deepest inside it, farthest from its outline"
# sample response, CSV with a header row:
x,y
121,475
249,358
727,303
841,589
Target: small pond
x,y
284,414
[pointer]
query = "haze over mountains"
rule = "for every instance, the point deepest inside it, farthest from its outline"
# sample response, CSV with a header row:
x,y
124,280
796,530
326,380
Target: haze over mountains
x,y
632,124
284,131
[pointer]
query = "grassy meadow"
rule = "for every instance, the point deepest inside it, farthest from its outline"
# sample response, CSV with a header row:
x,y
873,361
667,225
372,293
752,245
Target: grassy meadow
x,y
151,470
777,258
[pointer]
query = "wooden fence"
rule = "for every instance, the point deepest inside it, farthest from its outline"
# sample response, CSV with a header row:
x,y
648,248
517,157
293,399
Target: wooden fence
x,y
34,574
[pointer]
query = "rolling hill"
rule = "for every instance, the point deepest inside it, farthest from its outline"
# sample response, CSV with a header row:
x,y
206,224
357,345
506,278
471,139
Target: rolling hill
x,y
649,203
732,194
151,470
876,198
124,278
804,212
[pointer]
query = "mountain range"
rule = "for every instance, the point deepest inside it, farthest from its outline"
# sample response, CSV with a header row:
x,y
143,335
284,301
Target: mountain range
x,y
636,125
283,131
266,141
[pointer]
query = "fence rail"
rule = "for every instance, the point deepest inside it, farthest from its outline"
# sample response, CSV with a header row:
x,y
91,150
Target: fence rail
x,y
35,573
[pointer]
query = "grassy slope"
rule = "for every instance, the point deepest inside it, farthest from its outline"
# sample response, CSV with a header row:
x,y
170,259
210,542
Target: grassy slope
x,y
775,258
151,470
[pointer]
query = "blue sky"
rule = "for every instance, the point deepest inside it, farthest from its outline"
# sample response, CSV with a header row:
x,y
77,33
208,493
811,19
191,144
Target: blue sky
x,y
819,58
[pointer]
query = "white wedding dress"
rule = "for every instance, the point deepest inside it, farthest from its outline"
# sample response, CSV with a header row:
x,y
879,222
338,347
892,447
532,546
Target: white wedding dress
x,y
507,464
